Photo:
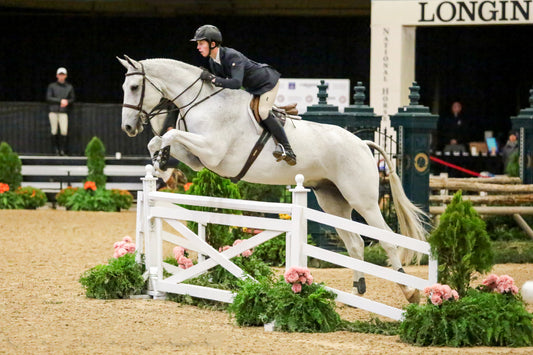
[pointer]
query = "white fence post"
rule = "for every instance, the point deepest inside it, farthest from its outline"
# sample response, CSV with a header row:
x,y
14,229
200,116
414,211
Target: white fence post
x,y
152,234
297,238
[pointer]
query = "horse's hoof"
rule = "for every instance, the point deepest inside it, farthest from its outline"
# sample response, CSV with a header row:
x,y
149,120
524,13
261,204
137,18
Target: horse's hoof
x,y
414,297
360,286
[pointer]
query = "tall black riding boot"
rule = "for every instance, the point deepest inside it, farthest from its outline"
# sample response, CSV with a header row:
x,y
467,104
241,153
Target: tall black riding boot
x,y
55,143
283,149
64,145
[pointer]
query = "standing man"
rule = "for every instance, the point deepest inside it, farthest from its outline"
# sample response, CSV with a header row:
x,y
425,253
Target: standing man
x,y
231,69
60,96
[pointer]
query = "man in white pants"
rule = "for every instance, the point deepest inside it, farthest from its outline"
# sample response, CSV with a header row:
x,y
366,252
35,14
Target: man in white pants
x,y
60,96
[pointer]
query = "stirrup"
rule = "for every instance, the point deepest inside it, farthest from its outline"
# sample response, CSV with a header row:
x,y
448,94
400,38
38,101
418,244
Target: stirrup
x,y
284,154
281,153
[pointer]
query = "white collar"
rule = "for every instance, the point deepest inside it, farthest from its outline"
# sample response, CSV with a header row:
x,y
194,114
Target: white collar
x,y
217,59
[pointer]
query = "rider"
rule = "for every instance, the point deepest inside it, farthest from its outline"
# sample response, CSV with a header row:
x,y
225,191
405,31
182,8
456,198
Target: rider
x,y
231,69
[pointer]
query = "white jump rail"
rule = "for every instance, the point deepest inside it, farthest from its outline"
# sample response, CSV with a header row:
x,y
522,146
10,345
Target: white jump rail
x,y
155,207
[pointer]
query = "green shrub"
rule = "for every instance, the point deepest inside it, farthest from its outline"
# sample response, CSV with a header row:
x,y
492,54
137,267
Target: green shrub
x,y
122,199
120,278
461,245
95,153
505,228
519,252
10,201
10,167
273,251
63,195
89,200
312,310
32,197
478,319
207,183
261,192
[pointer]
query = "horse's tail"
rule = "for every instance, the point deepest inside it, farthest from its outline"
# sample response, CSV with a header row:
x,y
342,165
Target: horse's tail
x,y
411,218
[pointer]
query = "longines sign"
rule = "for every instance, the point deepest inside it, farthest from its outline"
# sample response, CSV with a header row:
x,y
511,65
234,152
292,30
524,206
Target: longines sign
x,y
452,12
472,11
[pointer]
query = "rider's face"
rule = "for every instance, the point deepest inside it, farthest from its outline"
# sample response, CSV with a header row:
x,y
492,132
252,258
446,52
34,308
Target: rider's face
x,y
203,48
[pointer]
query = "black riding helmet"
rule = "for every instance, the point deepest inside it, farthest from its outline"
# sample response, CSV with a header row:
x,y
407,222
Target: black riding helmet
x,y
209,33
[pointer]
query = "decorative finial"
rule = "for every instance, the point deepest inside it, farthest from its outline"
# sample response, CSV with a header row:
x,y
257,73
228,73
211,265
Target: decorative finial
x,y
359,94
149,171
322,93
414,96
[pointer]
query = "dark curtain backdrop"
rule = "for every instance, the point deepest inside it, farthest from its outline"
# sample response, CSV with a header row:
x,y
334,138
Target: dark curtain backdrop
x,y
488,68
34,45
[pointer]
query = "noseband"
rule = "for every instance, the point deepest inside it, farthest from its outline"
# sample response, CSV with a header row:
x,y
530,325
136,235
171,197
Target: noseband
x,y
157,110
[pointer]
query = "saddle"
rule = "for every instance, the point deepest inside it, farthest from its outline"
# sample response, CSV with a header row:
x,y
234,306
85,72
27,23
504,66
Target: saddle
x,y
280,112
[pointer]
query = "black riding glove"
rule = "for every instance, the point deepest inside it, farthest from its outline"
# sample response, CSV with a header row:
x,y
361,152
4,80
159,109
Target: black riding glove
x,y
206,75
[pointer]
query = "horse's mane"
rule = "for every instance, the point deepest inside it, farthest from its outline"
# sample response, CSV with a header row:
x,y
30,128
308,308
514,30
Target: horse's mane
x,y
169,61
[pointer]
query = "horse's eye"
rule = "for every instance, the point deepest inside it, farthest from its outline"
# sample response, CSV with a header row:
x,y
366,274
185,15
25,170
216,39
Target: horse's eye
x,y
134,87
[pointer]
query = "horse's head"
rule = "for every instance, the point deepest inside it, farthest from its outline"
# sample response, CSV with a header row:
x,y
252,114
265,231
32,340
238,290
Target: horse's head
x,y
140,97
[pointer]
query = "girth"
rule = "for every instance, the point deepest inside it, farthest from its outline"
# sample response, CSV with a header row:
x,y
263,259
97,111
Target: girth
x,y
265,135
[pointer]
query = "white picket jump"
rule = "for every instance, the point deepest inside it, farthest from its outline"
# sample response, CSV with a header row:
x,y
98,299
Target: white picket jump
x,y
154,207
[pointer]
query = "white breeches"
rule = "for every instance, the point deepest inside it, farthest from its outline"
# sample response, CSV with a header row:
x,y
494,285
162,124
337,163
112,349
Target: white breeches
x,y
266,101
58,120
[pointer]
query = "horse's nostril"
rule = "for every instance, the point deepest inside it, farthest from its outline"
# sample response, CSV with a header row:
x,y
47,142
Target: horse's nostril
x,y
128,128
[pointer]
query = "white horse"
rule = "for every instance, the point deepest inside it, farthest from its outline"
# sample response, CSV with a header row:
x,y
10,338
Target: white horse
x,y
215,131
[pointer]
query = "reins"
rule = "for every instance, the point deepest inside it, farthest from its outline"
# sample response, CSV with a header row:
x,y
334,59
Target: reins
x,y
158,109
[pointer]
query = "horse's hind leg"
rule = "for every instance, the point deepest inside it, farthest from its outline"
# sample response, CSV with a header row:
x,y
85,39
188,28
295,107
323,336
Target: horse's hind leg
x,y
374,218
332,202
366,204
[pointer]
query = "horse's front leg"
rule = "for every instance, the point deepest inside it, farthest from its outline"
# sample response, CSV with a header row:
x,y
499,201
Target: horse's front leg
x,y
160,156
208,152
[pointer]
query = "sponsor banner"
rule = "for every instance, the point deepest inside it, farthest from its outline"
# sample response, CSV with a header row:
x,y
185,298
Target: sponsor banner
x,y
452,12
304,92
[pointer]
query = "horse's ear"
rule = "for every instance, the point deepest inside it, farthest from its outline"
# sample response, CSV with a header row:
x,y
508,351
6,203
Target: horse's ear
x,y
132,62
123,62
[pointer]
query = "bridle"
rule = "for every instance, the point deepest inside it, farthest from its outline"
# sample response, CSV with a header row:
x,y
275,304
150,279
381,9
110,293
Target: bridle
x,y
162,106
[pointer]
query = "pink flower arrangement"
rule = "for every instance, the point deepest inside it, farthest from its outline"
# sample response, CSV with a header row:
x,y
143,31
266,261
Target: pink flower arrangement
x,y
183,261
439,293
502,284
298,276
123,247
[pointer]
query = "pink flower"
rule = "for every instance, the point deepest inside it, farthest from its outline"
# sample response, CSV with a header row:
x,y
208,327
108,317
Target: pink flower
x,y
491,281
436,299
296,288
130,247
291,276
302,279
514,290
446,292
238,241
455,295
178,251
224,248
247,253
505,283
309,280
127,239
184,262
121,252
